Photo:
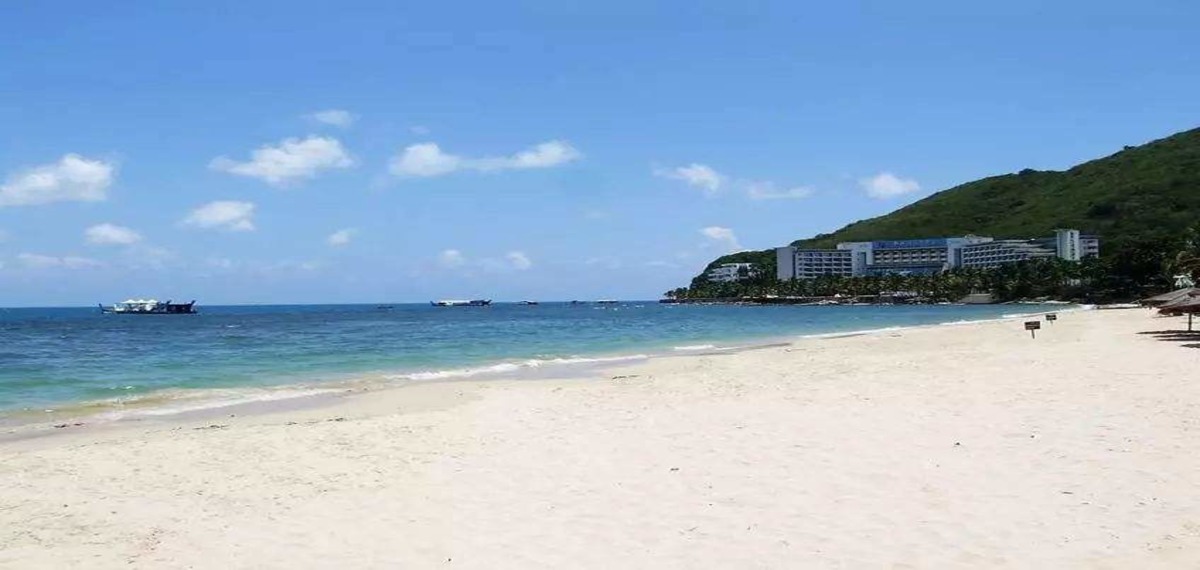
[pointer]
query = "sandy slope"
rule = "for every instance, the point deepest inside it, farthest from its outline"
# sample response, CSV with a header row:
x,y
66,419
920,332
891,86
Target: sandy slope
x,y
966,446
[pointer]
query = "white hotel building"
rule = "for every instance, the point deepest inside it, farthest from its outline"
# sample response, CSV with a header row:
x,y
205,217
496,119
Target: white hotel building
x,y
927,256
729,272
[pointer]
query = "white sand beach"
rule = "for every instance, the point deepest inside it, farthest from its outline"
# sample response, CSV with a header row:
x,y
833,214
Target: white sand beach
x,y
966,446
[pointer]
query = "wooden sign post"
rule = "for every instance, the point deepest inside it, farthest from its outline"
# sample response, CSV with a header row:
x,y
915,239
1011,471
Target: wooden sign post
x,y
1050,318
1032,327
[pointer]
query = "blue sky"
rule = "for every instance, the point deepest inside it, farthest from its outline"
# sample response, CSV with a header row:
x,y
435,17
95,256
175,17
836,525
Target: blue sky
x,y
298,151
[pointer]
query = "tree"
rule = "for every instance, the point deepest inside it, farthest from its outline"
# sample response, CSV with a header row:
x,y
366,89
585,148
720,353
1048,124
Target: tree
x,y
1129,271
1187,260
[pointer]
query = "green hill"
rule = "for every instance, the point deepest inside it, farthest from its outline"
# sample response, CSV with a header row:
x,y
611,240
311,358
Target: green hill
x,y
1137,196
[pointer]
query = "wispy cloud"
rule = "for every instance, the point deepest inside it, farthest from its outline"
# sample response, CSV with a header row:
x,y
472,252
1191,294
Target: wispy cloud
x,y
72,179
451,258
711,182
696,175
723,238
143,256
604,261
111,234
518,260
336,117
39,261
461,263
226,215
292,159
767,190
887,185
428,160
341,237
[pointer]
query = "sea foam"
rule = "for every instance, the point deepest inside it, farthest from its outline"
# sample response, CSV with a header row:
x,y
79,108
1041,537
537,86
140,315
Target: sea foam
x,y
509,367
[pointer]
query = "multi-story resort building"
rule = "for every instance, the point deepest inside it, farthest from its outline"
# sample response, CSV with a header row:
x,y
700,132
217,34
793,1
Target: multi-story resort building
x,y
999,252
1091,246
729,272
928,256
812,263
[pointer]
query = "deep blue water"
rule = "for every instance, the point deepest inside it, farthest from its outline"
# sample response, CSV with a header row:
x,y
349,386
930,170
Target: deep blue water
x,y
51,357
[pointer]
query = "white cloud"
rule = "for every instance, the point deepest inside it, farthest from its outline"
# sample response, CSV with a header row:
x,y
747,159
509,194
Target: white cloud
x,y
888,185
722,237
544,155
72,179
336,117
428,159
223,214
695,175
451,258
518,260
39,261
291,159
219,262
110,234
768,191
341,237
425,159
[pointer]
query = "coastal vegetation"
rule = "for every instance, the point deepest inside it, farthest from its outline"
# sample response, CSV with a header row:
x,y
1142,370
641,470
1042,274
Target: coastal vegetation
x,y
1091,280
1143,202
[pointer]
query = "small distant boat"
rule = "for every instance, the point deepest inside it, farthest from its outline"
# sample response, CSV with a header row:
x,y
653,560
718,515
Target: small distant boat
x,y
149,307
607,302
385,307
460,303
527,302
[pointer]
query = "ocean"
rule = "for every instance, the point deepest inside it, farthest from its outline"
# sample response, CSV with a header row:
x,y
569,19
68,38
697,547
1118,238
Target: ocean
x,y
76,359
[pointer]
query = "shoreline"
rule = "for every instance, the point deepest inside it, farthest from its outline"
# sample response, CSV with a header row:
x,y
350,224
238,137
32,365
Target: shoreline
x,y
935,446
165,404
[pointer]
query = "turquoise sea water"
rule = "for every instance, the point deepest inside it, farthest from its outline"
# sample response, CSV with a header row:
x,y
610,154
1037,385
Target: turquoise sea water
x,y
58,357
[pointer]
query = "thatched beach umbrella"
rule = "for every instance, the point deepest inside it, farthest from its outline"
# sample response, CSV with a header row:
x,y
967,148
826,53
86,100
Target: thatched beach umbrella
x,y
1173,296
1187,306
1173,305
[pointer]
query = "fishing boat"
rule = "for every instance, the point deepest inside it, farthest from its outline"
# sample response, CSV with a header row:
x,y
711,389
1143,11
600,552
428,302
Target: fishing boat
x,y
149,307
607,302
527,302
460,303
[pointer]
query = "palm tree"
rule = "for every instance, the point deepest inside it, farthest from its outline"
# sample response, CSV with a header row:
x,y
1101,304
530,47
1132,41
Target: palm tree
x,y
1187,260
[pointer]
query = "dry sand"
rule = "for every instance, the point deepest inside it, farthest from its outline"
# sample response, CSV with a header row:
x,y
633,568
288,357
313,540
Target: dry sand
x,y
967,446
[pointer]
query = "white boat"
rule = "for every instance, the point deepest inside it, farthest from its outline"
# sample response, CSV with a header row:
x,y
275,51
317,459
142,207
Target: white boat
x,y
461,303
